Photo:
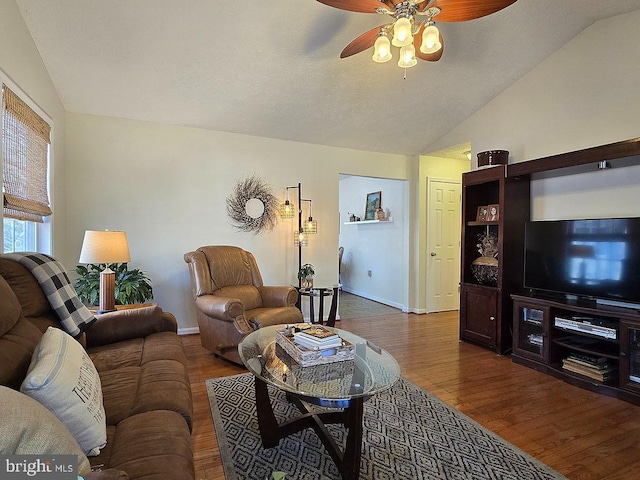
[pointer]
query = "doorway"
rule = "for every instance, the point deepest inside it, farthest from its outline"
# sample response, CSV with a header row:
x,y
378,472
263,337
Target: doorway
x,y
375,262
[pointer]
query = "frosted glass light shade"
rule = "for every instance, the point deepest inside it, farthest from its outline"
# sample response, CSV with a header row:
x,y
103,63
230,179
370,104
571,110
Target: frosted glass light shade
x,y
382,49
407,56
430,40
105,247
402,32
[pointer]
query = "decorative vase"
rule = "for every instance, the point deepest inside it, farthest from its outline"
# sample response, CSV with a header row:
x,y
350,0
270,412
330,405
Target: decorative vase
x,y
307,282
485,270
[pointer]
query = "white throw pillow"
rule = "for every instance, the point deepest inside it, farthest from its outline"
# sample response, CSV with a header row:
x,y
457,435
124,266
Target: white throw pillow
x,y
63,378
30,429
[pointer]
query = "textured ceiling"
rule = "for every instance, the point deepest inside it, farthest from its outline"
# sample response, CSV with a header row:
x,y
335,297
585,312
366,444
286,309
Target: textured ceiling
x,y
272,69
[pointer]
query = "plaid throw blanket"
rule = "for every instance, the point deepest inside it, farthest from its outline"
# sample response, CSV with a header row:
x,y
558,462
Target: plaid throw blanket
x,y
74,316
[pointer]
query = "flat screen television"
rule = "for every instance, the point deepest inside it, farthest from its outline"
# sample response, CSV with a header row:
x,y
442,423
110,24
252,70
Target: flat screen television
x,y
597,259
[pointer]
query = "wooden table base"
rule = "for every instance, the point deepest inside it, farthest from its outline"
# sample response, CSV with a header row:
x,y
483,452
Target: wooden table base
x,y
347,461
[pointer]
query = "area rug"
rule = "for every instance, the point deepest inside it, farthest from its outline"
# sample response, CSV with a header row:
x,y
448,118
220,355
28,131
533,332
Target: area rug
x,y
408,434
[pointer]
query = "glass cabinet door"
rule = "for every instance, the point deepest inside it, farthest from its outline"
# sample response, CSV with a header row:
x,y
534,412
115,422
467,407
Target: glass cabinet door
x,y
531,331
630,355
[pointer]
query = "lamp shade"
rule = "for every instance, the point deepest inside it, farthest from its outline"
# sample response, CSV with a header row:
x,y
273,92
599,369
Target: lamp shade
x,y
300,238
430,40
382,49
402,32
286,210
310,226
104,246
407,56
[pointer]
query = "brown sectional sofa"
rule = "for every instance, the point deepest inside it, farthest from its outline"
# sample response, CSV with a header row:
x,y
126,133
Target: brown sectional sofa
x,y
142,367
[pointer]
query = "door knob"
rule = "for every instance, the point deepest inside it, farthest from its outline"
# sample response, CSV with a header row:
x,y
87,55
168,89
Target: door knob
x,y
433,254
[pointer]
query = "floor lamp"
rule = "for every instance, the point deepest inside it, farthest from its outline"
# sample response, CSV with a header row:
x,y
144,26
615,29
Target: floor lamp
x,y
300,236
105,247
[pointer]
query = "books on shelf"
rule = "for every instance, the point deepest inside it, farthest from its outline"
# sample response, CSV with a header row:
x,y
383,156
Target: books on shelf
x,y
597,368
587,360
321,348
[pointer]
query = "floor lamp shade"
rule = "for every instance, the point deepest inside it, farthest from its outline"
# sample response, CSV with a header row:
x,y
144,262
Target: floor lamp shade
x,y
105,247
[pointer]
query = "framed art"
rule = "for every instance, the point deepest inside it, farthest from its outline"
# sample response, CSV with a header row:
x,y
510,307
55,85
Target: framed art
x,y
493,213
481,216
374,201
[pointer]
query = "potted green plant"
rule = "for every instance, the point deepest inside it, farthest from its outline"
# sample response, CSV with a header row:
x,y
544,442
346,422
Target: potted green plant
x,y
305,274
132,286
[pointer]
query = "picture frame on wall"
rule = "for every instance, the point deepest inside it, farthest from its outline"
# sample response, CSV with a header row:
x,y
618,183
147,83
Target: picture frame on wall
x,y
374,201
493,213
481,215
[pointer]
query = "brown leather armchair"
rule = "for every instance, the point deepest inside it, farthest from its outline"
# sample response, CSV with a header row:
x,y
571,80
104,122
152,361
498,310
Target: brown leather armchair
x,y
231,300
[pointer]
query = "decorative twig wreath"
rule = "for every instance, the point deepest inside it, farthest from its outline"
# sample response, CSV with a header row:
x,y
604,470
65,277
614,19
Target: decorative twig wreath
x,y
252,206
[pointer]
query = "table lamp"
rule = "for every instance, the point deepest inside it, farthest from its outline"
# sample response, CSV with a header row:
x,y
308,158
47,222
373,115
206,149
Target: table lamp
x,y
105,247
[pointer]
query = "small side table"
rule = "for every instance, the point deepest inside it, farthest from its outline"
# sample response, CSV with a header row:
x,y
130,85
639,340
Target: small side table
x,y
320,292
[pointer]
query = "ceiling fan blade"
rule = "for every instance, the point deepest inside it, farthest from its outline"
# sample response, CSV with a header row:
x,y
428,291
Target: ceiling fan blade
x,y
430,57
364,41
364,6
464,10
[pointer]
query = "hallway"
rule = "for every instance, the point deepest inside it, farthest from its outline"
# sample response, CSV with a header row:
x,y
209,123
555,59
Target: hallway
x,y
354,306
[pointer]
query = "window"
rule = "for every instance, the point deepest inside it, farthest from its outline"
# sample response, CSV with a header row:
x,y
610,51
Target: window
x,y
25,166
19,235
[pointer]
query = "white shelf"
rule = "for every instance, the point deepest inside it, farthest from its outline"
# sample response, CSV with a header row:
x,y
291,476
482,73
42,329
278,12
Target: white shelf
x,y
389,220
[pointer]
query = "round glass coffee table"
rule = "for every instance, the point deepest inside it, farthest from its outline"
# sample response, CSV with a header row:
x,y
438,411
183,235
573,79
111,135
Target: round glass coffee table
x,y
341,387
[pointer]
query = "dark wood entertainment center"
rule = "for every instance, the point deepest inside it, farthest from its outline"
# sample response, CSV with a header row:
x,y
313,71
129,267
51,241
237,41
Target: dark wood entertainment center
x,y
503,317
544,335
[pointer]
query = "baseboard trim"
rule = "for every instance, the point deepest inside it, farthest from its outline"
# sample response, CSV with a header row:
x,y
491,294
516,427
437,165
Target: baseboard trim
x,y
188,331
383,301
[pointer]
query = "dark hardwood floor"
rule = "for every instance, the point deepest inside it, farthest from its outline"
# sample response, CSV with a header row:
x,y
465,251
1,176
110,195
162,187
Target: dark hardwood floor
x,y
581,434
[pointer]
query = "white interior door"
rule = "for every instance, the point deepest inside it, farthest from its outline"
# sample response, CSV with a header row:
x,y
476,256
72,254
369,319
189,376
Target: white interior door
x,y
443,245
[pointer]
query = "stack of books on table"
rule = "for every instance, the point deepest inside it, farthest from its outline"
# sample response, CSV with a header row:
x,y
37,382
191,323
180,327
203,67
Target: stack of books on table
x,y
317,337
597,368
311,344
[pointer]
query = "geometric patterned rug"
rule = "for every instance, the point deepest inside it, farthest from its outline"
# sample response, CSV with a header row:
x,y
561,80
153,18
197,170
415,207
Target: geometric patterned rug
x,y
408,434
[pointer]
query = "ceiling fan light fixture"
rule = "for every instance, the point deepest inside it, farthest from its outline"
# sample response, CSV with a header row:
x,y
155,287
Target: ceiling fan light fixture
x,y
430,40
402,32
382,49
407,56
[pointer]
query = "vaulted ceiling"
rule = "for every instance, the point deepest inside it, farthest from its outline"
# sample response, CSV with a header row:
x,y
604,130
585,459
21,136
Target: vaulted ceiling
x,y
272,69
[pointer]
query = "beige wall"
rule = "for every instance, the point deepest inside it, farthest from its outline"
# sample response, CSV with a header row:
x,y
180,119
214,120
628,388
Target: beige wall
x,y
166,187
586,94
20,61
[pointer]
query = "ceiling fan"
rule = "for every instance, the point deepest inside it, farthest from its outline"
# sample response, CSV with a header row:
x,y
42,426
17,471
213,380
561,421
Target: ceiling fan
x,y
416,37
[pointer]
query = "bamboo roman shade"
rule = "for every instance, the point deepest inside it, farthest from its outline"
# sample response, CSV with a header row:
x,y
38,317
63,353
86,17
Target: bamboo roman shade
x,y
25,145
